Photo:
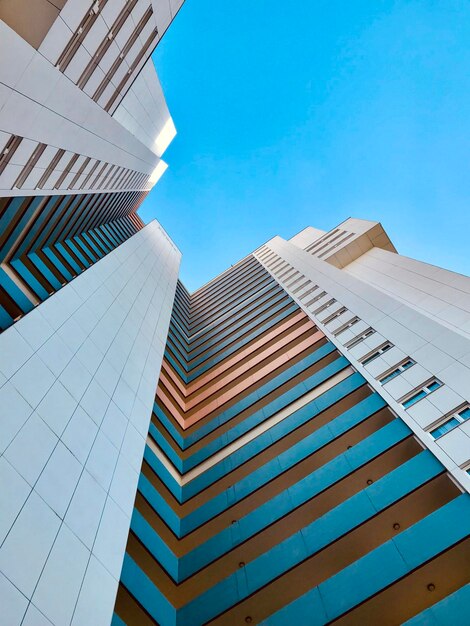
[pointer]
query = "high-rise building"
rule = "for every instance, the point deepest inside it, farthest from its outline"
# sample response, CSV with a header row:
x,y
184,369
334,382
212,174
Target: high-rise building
x,y
83,126
308,453
304,459
289,444
85,294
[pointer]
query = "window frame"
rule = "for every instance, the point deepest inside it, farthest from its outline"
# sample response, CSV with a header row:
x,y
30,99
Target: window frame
x,y
454,415
376,353
399,368
423,389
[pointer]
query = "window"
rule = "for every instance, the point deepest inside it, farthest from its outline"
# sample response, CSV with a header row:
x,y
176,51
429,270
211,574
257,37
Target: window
x,y
333,316
341,329
301,286
340,242
386,346
396,371
420,393
465,413
324,306
312,300
316,243
308,292
357,340
288,273
457,417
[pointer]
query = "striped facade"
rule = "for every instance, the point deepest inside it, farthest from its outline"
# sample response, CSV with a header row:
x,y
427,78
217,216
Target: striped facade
x,y
289,444
277,485
46,241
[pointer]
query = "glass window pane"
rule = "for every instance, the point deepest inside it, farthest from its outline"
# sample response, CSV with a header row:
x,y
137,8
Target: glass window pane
x,y
465,413
390,376
438,432
370,358
414,399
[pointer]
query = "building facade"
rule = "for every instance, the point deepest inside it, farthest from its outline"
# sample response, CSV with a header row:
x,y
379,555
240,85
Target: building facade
x,y
86,291
83,127
289,444
308,454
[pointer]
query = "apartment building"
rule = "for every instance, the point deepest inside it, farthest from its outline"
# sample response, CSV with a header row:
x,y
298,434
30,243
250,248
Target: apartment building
x,y
83,127
289,444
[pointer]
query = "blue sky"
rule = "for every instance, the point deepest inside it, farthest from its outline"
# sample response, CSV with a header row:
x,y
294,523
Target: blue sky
x,y
305,113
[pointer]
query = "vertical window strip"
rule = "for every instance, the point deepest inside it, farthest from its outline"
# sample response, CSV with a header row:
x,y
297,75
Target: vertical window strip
x,y
98,176
66,171
75,179
8,151
108,173
143,52
118,23
79,35
31,163
50,168
124,52
90,174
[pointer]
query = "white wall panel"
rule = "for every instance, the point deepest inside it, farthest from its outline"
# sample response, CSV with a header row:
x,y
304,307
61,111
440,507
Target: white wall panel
x,y
417,330
144,112
41,104
439,294
72,435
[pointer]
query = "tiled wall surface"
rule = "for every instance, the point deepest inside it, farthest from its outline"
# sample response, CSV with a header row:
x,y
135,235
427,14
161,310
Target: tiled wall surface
x,y
438,293
143,111
43,106
148,19
77,384
422,310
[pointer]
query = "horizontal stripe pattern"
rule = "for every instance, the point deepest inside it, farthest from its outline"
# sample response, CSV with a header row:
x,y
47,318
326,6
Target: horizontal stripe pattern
x,y
275,479
46,241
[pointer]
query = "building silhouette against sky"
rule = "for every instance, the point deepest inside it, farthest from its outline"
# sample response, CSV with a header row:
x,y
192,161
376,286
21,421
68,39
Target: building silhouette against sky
x,y
289,444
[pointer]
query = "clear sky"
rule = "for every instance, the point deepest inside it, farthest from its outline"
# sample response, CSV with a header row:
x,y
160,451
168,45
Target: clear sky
x,y
305,113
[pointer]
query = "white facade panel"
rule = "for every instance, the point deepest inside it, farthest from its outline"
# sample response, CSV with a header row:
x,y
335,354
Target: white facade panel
x,y
439,294
144,112
416,328
40,104
73,435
